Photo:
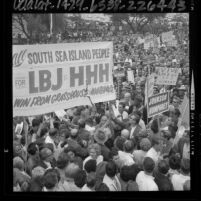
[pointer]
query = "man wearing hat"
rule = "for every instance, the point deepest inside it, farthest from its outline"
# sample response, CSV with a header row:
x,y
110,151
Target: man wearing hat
x,y
101,136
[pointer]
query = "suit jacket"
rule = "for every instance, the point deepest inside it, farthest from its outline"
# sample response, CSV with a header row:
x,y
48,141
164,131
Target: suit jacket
x,y
163,182
135,133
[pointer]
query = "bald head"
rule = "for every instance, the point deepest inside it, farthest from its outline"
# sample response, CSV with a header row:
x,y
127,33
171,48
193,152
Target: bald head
x,y
125,134
127,95
74,132
71,170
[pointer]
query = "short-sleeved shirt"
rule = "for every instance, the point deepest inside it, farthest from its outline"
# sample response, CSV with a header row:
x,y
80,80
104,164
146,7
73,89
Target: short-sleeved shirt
x,y
146,182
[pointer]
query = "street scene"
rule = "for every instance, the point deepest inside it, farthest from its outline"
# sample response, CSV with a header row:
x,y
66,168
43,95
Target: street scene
x,y
101,102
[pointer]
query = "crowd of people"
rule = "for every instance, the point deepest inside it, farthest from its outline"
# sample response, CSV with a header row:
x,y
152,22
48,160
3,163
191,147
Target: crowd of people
x,y
93,148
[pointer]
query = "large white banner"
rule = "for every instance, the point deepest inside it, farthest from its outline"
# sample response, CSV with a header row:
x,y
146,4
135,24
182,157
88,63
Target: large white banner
x,y
52,77
167,36
167,76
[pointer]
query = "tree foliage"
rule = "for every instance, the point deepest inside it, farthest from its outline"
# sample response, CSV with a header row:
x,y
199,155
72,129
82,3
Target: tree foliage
x,y
32,25
138,23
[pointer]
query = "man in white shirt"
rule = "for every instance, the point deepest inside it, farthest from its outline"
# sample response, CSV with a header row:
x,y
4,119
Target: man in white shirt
x,y
126,156
178,180
110,178
52,137
145,179
154,152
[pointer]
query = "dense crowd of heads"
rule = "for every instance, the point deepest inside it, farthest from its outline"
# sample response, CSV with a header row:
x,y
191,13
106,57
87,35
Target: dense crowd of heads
x,y
92,148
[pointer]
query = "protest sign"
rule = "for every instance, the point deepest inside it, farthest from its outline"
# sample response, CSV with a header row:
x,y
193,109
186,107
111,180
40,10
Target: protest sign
x,y
60,114
167,36
130,76
151,41
119,73
149,87
172,43
157,104
166,76
51,77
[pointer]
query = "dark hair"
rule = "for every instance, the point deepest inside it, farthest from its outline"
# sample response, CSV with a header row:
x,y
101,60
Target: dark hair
x,y
36,184
133,171
80,178
114,152
50,178
62,160
124,173
154,126
81,123
185,165
148,164
119,141
137,117
70,149
53,132
128,145
66,132
43,131
163,166
111,169
90,166
123,104
35,122
177,112
56,124
91,179
101,187
174,162
32,149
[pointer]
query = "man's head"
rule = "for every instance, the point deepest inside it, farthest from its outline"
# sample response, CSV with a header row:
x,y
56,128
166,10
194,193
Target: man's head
x,y
46,154
134,119
38,171
71,152
127,97
80,178
163,167
35,124
145,144
51,178
90,166
174,162
176,102
125,134
62,160
103,120
148,165
74,133
32,149
91,180
124,173
71,170
111,169
128,146
121,107
18,163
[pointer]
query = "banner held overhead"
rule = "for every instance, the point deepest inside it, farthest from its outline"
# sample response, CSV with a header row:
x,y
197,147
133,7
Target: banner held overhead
x,y
53,77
